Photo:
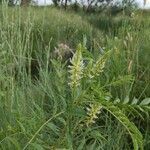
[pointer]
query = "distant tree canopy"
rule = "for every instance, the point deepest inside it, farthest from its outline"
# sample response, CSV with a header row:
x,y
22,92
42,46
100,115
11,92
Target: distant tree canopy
x,y
87,5
25,2
10,2
91,5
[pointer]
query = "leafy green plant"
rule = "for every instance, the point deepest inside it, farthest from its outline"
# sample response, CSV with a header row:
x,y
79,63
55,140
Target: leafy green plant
x,y
95,95
99,101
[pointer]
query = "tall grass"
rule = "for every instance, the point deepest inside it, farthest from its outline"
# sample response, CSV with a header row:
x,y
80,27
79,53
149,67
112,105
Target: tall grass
x,y
129,37
92,104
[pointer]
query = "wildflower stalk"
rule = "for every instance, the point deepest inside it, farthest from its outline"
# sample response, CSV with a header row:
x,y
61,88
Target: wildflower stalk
x,y
76,72
92,113
94,69
76,68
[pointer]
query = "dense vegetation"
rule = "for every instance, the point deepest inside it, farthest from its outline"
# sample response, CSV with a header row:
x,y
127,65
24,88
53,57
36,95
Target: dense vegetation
x,y
98,100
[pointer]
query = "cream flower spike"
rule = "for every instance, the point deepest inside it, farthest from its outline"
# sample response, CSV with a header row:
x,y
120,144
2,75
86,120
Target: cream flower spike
x,y
76,68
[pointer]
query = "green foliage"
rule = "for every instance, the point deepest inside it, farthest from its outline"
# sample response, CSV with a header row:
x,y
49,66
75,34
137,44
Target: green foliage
x,y
110,107
97,102
67,28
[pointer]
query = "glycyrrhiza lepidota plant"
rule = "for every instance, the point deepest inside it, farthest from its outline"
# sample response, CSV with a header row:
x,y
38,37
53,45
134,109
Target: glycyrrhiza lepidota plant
x,y
90,98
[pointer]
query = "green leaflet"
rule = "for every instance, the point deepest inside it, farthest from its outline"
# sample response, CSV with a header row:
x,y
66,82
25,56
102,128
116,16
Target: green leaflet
x,y
130,127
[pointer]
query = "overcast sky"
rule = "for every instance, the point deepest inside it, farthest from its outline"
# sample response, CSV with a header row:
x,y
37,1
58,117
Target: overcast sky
x,y
140,2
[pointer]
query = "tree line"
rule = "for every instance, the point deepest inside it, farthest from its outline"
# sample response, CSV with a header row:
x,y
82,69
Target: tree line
x,y
86,5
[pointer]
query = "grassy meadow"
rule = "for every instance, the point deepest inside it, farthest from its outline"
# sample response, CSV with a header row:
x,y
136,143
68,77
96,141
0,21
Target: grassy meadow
x,y
74,81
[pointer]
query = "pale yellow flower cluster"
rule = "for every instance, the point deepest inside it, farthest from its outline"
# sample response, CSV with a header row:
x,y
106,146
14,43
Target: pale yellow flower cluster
x,y
95,68
92,113
76,68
